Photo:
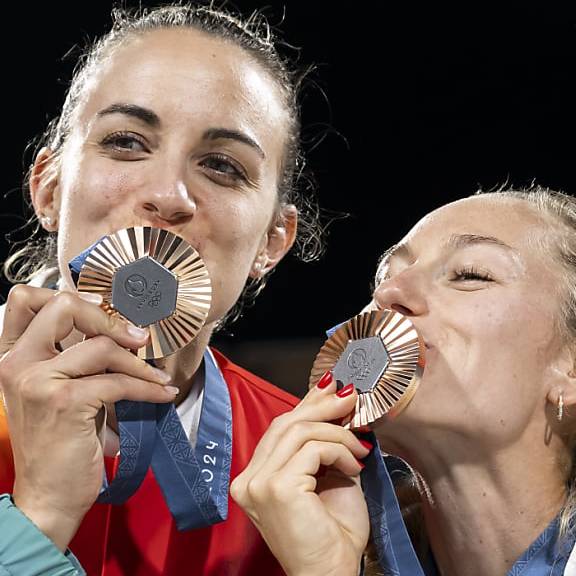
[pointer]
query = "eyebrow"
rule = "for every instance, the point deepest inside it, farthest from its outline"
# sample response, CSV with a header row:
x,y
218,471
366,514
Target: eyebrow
x,y
227,134
138,112
456,242
153,120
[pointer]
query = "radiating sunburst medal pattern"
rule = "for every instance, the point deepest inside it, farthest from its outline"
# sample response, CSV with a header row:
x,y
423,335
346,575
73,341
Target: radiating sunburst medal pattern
x,y
174,254
401,377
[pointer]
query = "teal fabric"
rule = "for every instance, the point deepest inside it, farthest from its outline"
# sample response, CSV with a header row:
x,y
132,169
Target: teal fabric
x,y
24,549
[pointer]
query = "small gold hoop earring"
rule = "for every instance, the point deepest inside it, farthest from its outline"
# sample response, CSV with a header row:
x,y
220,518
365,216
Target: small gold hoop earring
x,y
560,406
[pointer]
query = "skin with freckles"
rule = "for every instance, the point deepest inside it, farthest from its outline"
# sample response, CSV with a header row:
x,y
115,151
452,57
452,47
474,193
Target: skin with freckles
x,y
478,281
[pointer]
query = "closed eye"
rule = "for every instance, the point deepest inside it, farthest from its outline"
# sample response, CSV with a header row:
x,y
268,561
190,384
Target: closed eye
x,y
470,273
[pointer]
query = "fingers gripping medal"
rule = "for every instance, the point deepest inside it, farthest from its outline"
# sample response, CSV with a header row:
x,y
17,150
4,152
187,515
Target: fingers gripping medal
x,y
156,279
382,354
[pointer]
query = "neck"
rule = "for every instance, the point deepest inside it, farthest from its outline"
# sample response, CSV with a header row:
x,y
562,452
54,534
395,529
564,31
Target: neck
x,y
484,511
184,364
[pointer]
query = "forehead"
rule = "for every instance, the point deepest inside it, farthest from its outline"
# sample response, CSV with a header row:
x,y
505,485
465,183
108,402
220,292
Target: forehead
x,y
184,74
511,221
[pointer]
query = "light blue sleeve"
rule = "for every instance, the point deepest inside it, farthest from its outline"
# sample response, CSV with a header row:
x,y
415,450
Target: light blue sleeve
x,y
24,549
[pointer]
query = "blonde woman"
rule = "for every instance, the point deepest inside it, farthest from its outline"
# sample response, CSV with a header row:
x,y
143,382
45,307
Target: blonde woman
x,y
490,284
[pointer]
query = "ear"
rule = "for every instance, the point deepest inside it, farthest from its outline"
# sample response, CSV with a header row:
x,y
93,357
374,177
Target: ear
x,y
44,190
278,240
565,383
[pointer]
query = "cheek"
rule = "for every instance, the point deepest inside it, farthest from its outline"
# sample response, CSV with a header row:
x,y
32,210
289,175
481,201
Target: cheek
x,y
228,247
237,224
522,328
94,203
497,321
93,193
492,339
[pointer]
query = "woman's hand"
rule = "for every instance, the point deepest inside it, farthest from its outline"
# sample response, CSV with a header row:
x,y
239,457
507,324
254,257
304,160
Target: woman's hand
x,y
315,521
52,399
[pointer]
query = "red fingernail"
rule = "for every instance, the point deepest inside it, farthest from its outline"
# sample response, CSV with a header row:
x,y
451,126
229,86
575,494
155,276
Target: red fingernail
x,y
366,444
346,391
361,464
325,380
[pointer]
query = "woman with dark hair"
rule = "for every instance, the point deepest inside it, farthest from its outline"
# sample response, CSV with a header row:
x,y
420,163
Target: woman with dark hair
x,y
185,119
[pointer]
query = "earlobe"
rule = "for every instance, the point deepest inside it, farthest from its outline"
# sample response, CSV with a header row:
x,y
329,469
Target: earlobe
x,y
257,268
44,190
563,394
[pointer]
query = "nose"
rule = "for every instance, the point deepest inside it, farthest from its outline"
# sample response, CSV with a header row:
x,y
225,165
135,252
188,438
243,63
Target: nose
x,y
167,200
405,293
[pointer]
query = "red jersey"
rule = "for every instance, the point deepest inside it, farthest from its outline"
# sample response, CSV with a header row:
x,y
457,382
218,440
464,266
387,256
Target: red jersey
x,y
140,538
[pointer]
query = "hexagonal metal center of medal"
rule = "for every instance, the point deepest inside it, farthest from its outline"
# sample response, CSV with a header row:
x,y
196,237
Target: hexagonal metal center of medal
x,y
144,291
362,363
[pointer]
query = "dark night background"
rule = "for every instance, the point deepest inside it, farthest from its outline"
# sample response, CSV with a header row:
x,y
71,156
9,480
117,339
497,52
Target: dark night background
x,y
409,108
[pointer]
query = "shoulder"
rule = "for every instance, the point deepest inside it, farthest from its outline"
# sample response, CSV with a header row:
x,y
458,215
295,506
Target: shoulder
x,y
242,382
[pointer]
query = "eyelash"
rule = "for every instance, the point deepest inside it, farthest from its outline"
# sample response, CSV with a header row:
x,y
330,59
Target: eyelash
x,y
470,273
113,140
238,173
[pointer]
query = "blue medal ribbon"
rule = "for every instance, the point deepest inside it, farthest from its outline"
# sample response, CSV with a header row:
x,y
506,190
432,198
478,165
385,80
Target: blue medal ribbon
x,y
547,555
194,482
137,432
396,554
